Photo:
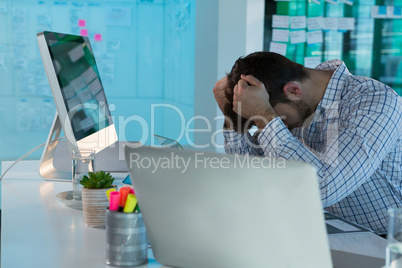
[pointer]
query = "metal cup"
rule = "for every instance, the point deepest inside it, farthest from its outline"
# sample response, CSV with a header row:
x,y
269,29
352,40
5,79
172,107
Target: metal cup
x,y
126,239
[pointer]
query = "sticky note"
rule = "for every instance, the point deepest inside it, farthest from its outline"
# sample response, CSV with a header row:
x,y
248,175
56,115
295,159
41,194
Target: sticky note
x,y
279,21
314,37
297,37
84,32
391,12
98,37
279,48
298,22
378,11
81,23
312,62
314,23
330,24
280,35
346,24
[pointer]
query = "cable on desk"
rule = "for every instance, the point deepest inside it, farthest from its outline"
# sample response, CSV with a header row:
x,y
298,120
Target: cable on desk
x,y
25,155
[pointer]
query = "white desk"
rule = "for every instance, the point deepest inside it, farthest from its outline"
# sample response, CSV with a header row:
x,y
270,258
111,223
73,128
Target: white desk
x,y
39,231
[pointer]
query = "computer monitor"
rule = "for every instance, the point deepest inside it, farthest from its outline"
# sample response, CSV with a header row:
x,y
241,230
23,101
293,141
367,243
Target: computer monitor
x,y
82,108
77,90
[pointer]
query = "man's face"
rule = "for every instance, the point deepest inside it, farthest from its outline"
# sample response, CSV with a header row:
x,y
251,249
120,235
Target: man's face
x,y
293,113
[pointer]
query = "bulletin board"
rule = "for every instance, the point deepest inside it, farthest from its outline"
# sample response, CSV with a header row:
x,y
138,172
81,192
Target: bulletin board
x,y
364,34
144,51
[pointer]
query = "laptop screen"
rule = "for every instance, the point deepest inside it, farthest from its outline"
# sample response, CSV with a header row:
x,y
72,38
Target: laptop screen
x,y
80,83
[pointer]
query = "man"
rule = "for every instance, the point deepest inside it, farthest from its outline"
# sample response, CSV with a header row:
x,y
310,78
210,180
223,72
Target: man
x,y
349,127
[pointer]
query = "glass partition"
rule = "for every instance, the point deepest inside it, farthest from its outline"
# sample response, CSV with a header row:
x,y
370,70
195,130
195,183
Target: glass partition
x,y
145,52
373,48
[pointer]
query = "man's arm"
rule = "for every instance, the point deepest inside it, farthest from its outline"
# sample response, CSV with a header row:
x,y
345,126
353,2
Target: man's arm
x,y
236,143
354,148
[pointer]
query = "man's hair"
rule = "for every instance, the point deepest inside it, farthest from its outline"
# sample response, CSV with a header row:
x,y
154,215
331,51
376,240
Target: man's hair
x,y
273,70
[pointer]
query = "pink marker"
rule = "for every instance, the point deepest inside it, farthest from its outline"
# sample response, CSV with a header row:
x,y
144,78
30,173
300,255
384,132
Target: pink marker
x,y
132,191
114,201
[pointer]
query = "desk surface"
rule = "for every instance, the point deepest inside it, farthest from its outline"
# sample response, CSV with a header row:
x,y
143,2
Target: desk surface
x,y
40,231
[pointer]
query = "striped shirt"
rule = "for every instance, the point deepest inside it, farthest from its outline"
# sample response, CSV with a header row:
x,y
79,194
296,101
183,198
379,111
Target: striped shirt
x,y
354,141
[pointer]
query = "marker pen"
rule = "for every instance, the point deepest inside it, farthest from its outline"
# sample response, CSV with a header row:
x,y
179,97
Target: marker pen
x,y
130,203
114,201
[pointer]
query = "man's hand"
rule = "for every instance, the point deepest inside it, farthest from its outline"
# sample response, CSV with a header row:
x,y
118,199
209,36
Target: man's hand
x,y
251,101
220,97
219,93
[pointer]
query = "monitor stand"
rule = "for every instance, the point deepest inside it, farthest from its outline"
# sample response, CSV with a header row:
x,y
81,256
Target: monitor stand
x,y
56,161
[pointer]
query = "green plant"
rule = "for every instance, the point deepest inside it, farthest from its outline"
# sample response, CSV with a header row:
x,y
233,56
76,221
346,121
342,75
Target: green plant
x,y
97,180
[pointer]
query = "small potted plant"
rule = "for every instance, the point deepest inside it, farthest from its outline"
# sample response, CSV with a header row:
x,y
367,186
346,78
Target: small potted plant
x,y
94,198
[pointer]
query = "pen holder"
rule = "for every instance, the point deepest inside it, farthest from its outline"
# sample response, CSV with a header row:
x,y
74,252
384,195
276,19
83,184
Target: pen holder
x,y
126,239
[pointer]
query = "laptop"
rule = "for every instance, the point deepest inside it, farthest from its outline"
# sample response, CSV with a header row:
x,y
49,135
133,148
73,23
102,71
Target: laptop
x,y
204,209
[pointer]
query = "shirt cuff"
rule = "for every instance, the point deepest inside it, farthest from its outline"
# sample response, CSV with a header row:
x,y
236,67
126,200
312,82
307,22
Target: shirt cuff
x,y
274,135
230,134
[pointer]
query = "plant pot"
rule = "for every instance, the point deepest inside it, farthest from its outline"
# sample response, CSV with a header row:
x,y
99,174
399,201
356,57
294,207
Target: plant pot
x,y
94,204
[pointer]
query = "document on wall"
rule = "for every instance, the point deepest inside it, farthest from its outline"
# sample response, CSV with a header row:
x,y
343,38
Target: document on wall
x,y
314,37
280,35
118,16
314,23
298,22
346,24
330,24
279,48
339,225
297,37
390,11
312,62
279,21
378,12
394,12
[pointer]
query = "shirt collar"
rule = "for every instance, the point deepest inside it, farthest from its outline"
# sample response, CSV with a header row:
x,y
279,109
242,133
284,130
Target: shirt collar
x,y
334,89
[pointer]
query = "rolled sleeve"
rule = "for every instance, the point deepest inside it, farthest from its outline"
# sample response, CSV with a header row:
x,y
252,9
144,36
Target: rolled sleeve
x,y
236,143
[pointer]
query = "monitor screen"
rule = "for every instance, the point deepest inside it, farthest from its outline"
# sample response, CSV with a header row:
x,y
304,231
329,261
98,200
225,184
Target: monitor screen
x,y
80,83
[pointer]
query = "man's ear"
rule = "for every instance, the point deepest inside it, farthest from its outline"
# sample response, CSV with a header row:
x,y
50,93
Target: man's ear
x,y
292,90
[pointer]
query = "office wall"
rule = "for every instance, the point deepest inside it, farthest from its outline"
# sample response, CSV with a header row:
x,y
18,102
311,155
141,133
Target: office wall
x,y
144,50
164,52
